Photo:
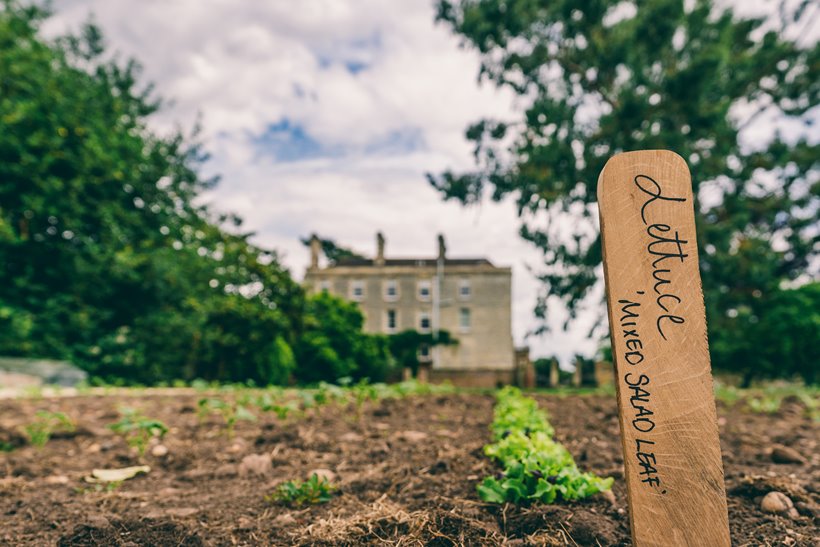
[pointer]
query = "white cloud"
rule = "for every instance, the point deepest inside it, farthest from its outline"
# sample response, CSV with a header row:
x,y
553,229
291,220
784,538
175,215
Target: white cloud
x,y
345,74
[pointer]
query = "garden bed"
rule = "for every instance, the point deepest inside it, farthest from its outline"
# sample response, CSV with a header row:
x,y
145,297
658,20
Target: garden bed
x,y
406,469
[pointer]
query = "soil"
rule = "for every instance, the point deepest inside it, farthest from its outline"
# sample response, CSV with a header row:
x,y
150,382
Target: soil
x,y
406,469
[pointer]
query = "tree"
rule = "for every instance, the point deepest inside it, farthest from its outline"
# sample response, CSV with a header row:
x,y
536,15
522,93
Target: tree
x,y
107,259
782,334
332,344
598,78
405,345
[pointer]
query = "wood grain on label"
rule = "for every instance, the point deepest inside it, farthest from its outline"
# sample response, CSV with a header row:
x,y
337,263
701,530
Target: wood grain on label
x,y
657,321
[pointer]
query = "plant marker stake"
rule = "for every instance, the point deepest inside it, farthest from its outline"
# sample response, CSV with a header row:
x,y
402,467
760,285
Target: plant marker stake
x,y
657,321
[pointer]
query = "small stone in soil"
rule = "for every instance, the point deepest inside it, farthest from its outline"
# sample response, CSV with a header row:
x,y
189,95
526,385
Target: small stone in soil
x,y
225,470
779,503
285,519
412,436
786,454
56,479
255,464
159,451
351,437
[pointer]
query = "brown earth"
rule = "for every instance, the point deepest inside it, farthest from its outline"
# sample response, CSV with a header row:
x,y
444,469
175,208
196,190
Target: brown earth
x,y
407,472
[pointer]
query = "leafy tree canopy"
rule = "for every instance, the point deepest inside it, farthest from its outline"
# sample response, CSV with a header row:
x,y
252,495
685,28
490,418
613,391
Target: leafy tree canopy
x,y
597,78
107,259
332,345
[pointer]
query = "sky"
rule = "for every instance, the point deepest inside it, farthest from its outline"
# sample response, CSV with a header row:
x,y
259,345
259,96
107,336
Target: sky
x,y
324,116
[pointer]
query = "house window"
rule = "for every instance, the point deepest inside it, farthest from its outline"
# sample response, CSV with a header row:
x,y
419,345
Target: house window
x,y
464,291
424,322
357,290
324,285
424,352
464,319
391,290
390,320
424,290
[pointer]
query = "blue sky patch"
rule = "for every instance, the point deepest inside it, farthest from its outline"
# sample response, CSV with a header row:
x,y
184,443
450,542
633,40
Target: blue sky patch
x,y
288,141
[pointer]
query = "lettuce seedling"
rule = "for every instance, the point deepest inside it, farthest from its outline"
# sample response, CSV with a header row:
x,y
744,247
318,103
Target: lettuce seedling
x,y
45,424
137,429
230,412
296,493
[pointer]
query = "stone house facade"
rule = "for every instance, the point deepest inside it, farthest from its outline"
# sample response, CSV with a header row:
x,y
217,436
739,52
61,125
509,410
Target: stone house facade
x,y
468,297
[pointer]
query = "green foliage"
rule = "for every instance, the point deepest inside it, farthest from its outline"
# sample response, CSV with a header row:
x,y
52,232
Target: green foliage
x,y
6,446
297,493
107,259
405,345
277,404
543,372
332,344
594,81
769,398
535,467
781,336
230,412
138,429
327,393
45,424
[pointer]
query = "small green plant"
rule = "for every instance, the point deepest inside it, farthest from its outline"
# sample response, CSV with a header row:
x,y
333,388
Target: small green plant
x,y
45,424
328,393
32,392
137,429
283,411
231,412
296,493
765,404
535,467
362,392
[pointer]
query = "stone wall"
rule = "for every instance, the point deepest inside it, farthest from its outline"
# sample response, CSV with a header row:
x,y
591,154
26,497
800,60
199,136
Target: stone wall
x,y
473,378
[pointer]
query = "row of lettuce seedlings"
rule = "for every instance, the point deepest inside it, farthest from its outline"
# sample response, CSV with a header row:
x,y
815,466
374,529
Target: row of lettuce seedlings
x,y
535,467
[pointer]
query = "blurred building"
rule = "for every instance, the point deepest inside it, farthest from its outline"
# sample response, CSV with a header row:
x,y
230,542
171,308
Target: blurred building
x,y
468,297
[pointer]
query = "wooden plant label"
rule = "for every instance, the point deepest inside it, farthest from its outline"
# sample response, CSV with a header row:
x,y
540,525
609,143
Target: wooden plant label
x,y
657,321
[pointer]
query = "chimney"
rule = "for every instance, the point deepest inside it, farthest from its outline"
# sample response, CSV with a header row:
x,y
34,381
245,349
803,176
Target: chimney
x,y
315,249
442,248
379,249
